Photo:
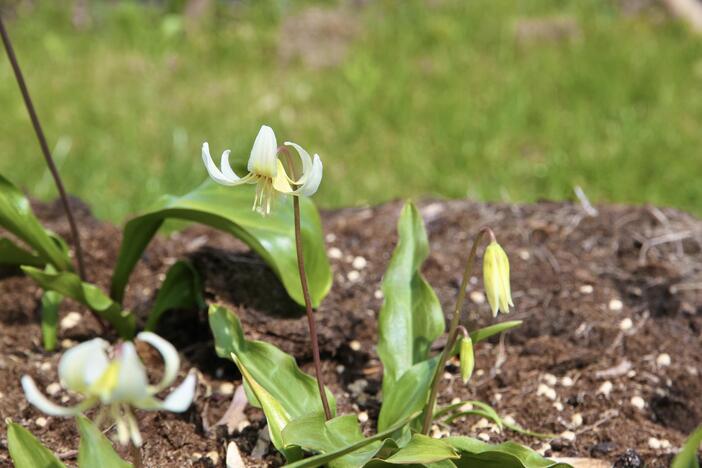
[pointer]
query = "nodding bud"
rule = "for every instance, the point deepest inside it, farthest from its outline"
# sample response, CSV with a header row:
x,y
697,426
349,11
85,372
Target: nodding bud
x,y
496,279
467,358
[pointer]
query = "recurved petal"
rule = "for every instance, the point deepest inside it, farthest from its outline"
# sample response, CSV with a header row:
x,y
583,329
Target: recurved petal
x,y
306,163
131,383
311,185
264,153
227,170
214,171
36,398
178,401
171,361
82,364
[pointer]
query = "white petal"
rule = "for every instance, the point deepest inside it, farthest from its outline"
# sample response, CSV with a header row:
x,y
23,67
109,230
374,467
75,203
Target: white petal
x,y
315,178
171,360
132,384
36,398
134,432
82,364
121,423
264,153
306,162
227,170
213,170
180,399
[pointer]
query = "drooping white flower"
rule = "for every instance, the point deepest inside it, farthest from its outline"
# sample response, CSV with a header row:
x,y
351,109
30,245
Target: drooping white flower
x,y
118,381
267,171
496,279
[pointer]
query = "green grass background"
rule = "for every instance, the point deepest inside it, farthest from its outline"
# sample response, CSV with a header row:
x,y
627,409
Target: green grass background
x,y
433,98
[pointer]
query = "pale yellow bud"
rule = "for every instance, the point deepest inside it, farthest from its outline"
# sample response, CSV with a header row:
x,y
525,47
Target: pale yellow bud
x,y
467,358
496,279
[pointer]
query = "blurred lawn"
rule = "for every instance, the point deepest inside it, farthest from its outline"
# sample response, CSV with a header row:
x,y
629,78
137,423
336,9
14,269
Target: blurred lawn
x,y
433,97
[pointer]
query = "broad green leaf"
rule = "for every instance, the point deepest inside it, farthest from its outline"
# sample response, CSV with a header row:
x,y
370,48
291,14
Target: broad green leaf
x,y
411,317
69,285
423,449
408,395
325,458
95,450
12,254
478,454
182,289
17,217
273,369
687,458
276,415
26,451
50,303
229,209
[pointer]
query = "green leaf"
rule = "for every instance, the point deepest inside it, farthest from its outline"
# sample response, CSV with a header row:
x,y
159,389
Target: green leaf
x,y
182,289
229,209
17,217
408,395
273,369
95,450
26,451
478,454
50,303
12,254
422,449
687,458
276,415
487,332
69,285
325,458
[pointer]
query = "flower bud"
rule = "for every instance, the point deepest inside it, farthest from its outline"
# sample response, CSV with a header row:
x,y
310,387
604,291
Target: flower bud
x,y
496,279
467,358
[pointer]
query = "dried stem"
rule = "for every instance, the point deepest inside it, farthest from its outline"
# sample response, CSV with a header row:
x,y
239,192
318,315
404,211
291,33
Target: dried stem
x,y
453,329
135,453
44,147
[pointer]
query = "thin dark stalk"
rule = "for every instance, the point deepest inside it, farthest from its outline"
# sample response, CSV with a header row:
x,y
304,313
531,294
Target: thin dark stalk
x,y
44,146
453,330
308,307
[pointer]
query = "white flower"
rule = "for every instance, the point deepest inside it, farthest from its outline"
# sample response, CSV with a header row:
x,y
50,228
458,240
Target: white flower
x,y
496,279
267,171
118,383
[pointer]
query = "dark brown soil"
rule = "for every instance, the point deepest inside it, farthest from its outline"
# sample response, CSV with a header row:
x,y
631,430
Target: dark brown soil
x,y
604,299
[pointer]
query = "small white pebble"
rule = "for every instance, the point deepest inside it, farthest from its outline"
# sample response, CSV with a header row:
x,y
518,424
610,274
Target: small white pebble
x,y
568,435
45,366
435,432
214,456
196,456
663,360
455,401
567,381
550,379
586,289
53,388
477,297
479,373
545,447
631,373
359,263
353,276
70,320
524,254
638,402
665,444
481,424
65,398
378,294
363,416
626,324
546,391
576,420
340,369
484,436
497,397
448,376
243,425
65,344
605,389
654,443
558,406
615,305
334,253
466,407
509,420
40,421
234,459
330,237
355,345
692,370
226,388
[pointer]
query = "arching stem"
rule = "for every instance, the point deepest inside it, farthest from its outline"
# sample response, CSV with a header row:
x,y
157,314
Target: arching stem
x,y
453,329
